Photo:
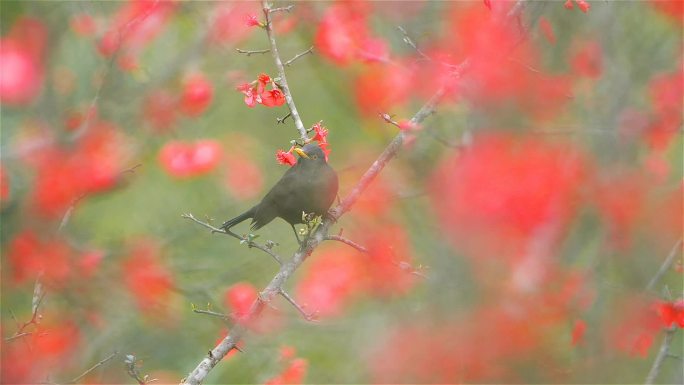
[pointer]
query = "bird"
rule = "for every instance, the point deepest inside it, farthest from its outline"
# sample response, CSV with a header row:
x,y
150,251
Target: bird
x,y
310,186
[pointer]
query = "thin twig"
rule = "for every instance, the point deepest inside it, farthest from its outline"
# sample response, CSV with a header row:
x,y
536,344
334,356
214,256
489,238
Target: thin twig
x,y
280,9
349,242
250,243
297,56
282,83
282,120
662,355
665,266
18,335
102,362
213,314
254,52
307,316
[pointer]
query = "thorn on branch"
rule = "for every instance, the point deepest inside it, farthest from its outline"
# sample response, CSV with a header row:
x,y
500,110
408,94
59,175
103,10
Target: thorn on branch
x,y
225,317
297,56
311,317
282,120
253,52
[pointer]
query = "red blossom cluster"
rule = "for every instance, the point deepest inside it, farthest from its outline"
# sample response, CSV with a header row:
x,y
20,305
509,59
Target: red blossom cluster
x,y
147,278
189,159
162,107
256,92
320,136
94,163
671,313
239,299
50,346
30,255
581,4
22,58
338,275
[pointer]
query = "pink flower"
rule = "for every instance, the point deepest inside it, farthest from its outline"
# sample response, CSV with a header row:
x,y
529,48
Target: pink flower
x,y
252,21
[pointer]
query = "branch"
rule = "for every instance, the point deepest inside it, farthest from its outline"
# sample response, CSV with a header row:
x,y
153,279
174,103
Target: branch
x,y
102,362
307,316
250,53
266,249
662,355
665,266
275,286
297,56
282,83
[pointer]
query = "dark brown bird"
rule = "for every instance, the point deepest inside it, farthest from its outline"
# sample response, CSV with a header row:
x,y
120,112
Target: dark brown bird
x,y
310,186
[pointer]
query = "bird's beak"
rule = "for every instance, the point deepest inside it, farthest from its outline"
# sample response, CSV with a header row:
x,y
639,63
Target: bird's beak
x,y
301,152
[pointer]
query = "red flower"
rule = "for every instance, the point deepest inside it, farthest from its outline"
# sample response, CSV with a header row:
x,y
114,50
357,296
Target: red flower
x,y
239,298
21,62
321,133
583,5
229,23
251,21
588,60
568,4
262,82
578,331
29,256
286,157
504,190
547,30
197,95
488,4
272,98
251,95
331,280
4,186
83,24
182,159
148,279
671,313
244,178
342,32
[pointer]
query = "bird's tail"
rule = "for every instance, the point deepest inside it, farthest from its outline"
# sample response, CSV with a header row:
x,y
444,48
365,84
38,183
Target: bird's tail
x,y
232,222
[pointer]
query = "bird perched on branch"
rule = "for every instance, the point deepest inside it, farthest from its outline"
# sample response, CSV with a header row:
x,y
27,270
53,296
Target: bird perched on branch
x,y
310,186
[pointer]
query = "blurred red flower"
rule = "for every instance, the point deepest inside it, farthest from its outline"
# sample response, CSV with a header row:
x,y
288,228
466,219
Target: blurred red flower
x,y
341,32
30,256
145,275
331,280
188,159
228,21
197,95
494,199
83,24
244,179
587,59
22,53
239,298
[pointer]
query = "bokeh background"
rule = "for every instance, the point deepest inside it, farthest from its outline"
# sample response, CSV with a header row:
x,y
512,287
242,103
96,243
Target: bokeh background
x,y
532,210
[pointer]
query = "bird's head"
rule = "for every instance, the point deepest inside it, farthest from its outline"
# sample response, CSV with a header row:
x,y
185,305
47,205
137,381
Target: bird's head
x,y
311,152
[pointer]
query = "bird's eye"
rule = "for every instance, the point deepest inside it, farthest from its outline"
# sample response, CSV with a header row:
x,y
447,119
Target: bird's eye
x,y
314,156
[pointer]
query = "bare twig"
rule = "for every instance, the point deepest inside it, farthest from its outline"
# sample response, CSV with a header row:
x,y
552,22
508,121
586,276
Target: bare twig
x,y
349,242
282,83
17,335
280,9
253,52
102,362
662,354
225,317
665,266
307,316
250,243
282,120
297,56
